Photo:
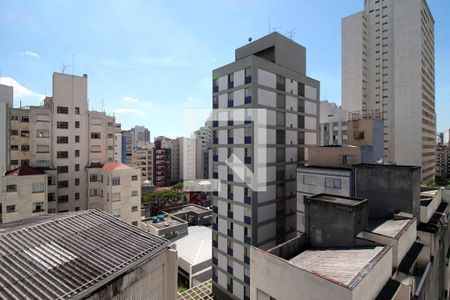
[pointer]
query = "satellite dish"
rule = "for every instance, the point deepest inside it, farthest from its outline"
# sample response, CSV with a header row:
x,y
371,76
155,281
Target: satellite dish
x,y
249,39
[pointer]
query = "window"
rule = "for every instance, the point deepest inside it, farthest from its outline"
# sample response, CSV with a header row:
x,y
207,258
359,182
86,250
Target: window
x,y
10,208
63,184
62,125
93,192
63,199
115,181
25,119
134,208
25,162
52,210
110,135
25,148
134,178
333,183
134,193
115,197
51,180
51,197
38,207
24,133
96,149
11,188
95,135
77,153
301,89
14,162
77,181
93,178
281,83
77,208
77,196
135,223
77,110
14,118
38,187
77,139
77,167
42,148
42,163
62,154
77,124
110,124
62,140
62,110
14,147
42,133
14,132
43,118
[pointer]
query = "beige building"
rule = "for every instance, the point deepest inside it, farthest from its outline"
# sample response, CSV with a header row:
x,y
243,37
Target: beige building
x,y
62,134
187,158
24,193
94,254
388,66
333,124
116,189
142,158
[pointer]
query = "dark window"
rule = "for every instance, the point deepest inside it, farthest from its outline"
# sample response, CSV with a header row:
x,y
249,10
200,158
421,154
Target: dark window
x,y
62,110
77,167
25,119
301,89
77,181
77,153
14,147
95,135
24,133
14,162
62,125
63,184
14,132
63,199
10,208
77,110
280,137
62,169
11,188
62,154
77,196
62,140
77,139
134,178
281,83
25,162
25,148
77,124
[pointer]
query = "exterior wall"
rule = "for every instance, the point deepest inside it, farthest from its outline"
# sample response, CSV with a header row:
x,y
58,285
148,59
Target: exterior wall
x,y
383,49
6,102
101,148
23,199
338,157
315,183
242,217
142,158
118,147
19,137
140,137
187,151
122,200
333,124
154,279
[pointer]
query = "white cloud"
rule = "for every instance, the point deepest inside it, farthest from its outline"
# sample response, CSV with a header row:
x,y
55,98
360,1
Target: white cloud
x,y
129,99
19,90
128,111
30,53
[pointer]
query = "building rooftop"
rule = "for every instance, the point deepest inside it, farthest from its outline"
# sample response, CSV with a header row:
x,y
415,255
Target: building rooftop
x,y
167,222
25,171
110,166
392,228
340,200
345,267
196,247
203,291
69,254
188,208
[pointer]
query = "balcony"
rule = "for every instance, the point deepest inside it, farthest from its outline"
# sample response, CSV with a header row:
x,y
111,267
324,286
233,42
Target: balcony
x,y
248,159
230,214
230,251
230,177
230,140
230,233
247,140
230,84
230,270
247,220
246,259
230,103
215,89
247,200
248,79
230,196
215,209
248,100
248,240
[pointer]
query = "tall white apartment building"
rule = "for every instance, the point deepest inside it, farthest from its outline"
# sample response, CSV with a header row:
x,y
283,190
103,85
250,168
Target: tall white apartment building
x,y
269,75
62,135
187,159
6,102
388,65
203,146
333,124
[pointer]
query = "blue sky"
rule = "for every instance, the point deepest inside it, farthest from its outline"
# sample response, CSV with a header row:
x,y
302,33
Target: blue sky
x,y
150,60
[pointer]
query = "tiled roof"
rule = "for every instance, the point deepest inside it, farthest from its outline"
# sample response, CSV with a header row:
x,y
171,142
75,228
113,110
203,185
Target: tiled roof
x,y
115,166
24,171
60,256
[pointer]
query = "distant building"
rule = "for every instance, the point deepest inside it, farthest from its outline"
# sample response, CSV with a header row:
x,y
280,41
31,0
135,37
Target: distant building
x,y
187,160
142,158
6,102
165,226
25,193
127,147
85,255
116,189
140,136
333,124
446,136
442,162
193,214
203,148
162,162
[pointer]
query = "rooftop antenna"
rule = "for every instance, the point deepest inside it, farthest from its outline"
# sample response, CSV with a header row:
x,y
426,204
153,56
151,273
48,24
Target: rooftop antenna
x,y
103,110
63,67
292,32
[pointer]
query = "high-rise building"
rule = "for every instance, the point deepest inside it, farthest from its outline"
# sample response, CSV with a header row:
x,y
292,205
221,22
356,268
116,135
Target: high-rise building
x,y
142,158
442,162
446,136
187,153
117,142
161,165
63,135
140,136
388,66
174,146
267,75
127,147
6,102
203,138
333,124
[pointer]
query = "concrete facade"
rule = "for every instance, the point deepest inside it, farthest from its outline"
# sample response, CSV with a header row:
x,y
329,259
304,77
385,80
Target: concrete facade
x,y
384,48
187,160
267,74
6,102
333,124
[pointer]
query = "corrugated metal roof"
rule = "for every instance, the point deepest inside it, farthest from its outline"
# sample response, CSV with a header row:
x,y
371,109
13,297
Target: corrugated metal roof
x,y
62,255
